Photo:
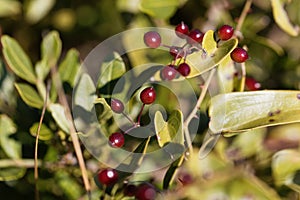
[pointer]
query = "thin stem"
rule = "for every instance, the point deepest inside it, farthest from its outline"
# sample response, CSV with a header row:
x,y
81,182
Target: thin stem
x,y
140,115
243,15
36,173
127,117
194,111
63,101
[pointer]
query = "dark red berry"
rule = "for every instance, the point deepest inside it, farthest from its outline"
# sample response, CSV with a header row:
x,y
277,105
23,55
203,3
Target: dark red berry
x,y
116,140
168,73
176,52
152,39
184,69
148,95
239,55
108,176
130,190
252,84
145,191
182,30
225,32
195,36
185,179
117,106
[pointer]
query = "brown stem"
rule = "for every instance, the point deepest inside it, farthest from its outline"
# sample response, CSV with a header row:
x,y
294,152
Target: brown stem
x,y
36,173
243,15
63,101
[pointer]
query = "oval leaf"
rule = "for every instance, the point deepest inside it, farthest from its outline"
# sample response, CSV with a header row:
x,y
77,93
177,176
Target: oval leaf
x,y
9,8
170,131
282,19
17,59
111,69
159,9
69,67
29,95
200,63
241,111
37,9
45,132
58,114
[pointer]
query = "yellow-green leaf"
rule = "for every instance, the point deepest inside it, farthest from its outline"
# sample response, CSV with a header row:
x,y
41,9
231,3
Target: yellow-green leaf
x,y
158,8
111,69
69,67
170,131
9,8
241,111
29,95
45,132
58,114
17,59
285,165
200,63
37,9
282,19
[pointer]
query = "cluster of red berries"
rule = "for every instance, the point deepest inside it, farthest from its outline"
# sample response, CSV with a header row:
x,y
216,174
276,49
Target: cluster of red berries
x,y
144,191
194,40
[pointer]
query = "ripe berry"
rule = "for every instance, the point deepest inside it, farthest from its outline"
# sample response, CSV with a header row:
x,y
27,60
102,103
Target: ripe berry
x,y
116,140
108,176
252,84
182,30
145,191
184,69
195,36
148,95
152,39
117,106
130,190
239,55
176,52
168,73
186,179
225,32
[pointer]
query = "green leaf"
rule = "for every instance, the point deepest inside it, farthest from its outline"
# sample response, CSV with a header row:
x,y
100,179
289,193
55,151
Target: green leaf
x,y
225,74
69,185
11,147
45,132
84,93
29,95
12,173
159,9
9,8
17,59
282,19
58,114
240,111
170,131
111,69
69,67
200,63
37,10
106,112
169,176
285,164
50,50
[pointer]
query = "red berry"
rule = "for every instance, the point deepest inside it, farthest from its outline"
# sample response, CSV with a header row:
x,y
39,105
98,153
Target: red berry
x,y
117,106
152,39
182,30
108,176
168,73
239,55
145,191
252,84
116,140
130,190
195,36
176,52
186,179
225,32
184,69
148,95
